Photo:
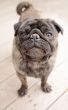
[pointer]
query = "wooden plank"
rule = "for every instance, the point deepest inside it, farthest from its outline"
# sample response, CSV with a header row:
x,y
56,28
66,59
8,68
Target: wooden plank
x,y
8,90
61,104
6,69
35,100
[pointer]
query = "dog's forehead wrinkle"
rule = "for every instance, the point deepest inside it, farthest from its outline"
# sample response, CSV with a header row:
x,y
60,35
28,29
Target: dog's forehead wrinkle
x,y
33,21
47,23
44,27
49,26
53,29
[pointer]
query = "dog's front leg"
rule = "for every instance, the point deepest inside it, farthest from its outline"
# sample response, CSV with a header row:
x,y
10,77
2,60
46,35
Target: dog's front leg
x,y
44,85
23,89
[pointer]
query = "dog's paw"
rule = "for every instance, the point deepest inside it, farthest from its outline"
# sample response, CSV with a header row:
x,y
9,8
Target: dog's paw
x,y
46,88
22,91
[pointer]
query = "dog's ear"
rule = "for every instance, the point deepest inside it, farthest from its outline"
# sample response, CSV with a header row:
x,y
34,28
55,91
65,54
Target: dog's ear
x,y
58,27
16,28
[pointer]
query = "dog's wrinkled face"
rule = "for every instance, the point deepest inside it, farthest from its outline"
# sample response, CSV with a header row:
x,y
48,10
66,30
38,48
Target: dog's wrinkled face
x,y
37,38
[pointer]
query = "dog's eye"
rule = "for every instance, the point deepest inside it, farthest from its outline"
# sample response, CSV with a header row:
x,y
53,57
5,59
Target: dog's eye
x,y
27,29
49,35
20,32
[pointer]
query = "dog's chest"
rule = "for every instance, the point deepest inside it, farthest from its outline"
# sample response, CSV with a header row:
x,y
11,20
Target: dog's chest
x,y
35,69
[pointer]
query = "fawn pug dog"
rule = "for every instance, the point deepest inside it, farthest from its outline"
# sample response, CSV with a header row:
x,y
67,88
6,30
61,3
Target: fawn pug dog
x,y
34,47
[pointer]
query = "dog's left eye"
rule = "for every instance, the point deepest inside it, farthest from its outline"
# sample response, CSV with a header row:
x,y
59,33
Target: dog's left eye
x,y
49,35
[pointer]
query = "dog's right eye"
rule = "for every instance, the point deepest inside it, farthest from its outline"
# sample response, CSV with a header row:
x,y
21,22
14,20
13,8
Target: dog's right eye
x,y
27,29
21,33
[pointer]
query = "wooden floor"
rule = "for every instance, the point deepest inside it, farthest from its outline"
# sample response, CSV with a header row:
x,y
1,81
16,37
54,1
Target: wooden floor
x,y
9,83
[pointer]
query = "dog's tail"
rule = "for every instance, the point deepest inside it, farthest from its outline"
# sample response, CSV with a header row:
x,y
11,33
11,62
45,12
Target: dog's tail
x,y
23,6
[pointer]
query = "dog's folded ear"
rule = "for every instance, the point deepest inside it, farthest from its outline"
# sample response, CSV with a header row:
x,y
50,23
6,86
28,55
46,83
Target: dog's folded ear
x,y
16,28
58,27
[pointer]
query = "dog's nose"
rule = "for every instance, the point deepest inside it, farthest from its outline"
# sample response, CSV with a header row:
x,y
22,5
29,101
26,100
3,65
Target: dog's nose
x,y
35,37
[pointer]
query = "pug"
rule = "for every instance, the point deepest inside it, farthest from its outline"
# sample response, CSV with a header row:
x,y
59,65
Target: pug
x,y
35,46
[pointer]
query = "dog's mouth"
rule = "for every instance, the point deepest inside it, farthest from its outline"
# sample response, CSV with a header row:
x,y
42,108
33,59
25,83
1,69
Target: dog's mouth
x,y
35,53
36,50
